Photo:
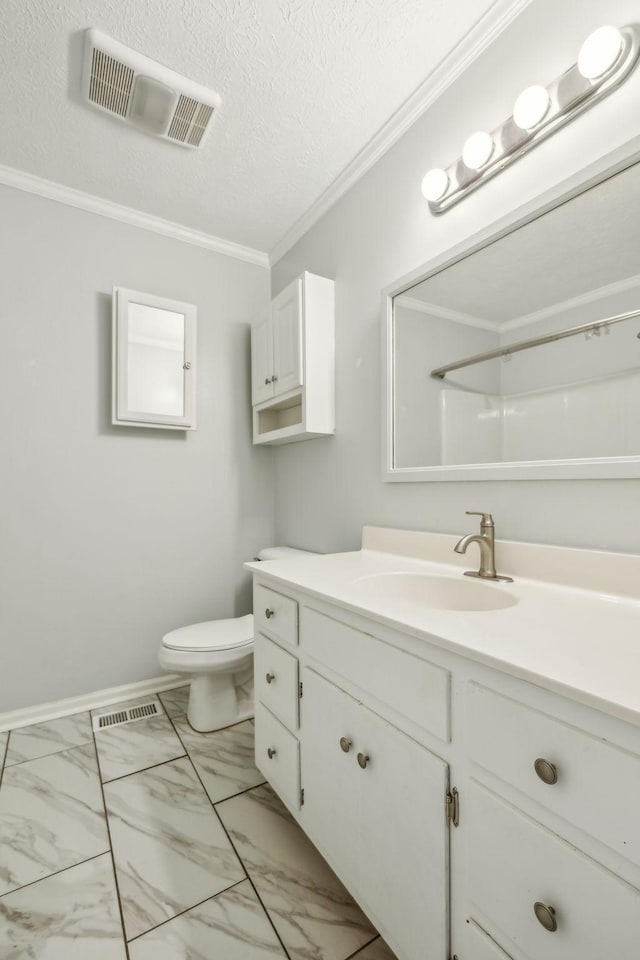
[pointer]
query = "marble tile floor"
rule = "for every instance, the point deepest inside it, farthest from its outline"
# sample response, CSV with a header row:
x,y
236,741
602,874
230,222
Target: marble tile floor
x,y
149,841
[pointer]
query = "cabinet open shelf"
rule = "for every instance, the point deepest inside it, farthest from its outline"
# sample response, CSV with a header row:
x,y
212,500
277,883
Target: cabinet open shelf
x,y
278,419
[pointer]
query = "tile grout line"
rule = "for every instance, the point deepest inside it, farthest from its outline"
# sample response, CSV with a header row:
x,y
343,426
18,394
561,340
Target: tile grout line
x,y
187,909
54,874
233,846
354,956
54,753
4,757
113,859
152,766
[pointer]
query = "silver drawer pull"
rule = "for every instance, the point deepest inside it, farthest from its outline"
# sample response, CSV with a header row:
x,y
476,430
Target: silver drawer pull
x,y
363,759
345,744
545,915
271,752
269,677
269,613
267,380
546,770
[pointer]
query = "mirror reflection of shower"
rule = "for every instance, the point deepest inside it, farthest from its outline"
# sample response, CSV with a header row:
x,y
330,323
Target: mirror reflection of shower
x,y
572,396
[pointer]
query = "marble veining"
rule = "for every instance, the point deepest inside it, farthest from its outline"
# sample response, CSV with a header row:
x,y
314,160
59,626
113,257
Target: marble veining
x,y
135,746
224,759
175,701
313,913
232,926
71,916
169,847
52,736
182,891
51,816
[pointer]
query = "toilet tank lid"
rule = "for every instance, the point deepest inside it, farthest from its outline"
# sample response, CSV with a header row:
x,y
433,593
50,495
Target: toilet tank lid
x,y
280,553
212,635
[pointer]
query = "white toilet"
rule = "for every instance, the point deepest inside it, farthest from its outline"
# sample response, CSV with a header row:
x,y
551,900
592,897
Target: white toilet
x,y
218,655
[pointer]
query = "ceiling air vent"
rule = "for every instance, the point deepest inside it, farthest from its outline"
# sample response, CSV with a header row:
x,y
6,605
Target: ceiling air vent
x,y
145,94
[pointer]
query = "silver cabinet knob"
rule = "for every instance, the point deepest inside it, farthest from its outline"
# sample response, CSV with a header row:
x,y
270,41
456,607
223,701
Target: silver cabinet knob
x,y
363,759
274,378
267,380
269,613
546,770
545,915
269,677
271,752
186,365
345,744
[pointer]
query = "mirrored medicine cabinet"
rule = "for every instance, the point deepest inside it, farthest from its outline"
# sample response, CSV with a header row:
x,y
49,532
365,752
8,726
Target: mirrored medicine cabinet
x,y
521,359
154,354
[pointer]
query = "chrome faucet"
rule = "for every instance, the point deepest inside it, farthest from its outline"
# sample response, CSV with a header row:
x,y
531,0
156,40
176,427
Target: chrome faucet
x,y
486,541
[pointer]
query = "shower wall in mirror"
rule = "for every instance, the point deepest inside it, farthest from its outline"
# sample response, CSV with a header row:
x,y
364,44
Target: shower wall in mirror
x,y
571,400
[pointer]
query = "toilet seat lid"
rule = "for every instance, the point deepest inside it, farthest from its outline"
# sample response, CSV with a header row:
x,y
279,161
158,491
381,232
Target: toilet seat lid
x,y
212,635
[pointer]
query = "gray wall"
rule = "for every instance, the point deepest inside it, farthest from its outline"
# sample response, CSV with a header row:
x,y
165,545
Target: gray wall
x,y
111,536
379,231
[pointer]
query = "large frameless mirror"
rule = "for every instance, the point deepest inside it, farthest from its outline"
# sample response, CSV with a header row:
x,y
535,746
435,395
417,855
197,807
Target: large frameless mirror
x,y
522,359
154,361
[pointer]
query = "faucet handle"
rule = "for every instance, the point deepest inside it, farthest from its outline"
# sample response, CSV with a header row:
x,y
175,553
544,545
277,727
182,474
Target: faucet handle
x,y
487,519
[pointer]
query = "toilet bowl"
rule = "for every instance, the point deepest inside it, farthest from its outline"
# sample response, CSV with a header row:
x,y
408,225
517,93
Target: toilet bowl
x,y
218,656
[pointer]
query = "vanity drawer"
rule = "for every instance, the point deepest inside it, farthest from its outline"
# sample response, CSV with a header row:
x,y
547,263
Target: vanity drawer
x,y
275,615
513,862
278,756
276,680
411,686
597,784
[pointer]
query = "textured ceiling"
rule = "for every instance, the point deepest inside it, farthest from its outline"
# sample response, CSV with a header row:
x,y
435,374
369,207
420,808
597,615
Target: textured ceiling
x,y
519,274
305,84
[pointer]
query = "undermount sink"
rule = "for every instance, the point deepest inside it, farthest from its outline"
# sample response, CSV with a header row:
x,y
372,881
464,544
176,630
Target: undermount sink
x,y
434,592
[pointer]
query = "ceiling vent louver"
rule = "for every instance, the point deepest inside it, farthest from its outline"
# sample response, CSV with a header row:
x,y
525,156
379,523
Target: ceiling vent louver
x,y
145,94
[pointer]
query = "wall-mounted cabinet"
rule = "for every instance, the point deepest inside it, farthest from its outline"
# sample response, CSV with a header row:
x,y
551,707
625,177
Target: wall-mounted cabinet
x,y
293,364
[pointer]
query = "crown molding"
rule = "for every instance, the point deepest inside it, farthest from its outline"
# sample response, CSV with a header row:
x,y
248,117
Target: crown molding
x,y
30,183
444,313
581,300
478,38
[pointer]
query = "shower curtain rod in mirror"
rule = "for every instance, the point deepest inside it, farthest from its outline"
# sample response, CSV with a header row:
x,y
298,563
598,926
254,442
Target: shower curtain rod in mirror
x,y
440,372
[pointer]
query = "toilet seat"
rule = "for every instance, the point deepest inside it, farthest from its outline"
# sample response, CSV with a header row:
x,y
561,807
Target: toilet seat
x,y
212,635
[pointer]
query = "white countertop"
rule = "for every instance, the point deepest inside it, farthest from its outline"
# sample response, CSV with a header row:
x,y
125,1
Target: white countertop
x,y
583,643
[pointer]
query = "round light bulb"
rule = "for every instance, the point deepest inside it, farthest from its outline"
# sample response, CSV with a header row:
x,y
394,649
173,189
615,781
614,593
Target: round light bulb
x,y
531,107
434,185
599,52
477,150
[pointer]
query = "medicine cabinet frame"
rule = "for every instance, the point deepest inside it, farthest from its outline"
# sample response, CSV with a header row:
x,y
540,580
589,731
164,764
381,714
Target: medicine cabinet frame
x,y
122,412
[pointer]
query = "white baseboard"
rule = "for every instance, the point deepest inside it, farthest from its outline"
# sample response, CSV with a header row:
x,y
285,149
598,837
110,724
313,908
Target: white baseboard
x,y
89,701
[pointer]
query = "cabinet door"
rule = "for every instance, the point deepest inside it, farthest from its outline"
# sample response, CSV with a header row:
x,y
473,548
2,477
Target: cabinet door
x,y
286,319
261,361
381,820
514,863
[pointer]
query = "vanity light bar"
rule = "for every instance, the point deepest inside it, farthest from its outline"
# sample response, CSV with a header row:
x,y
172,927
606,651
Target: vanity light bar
x,y
606,59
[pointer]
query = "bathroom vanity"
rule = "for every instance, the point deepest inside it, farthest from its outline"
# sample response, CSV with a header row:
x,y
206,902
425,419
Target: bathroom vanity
x,y
465,754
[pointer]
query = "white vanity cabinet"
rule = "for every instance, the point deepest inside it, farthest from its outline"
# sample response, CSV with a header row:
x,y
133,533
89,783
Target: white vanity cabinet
x,y
293,364
473,815
357,777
